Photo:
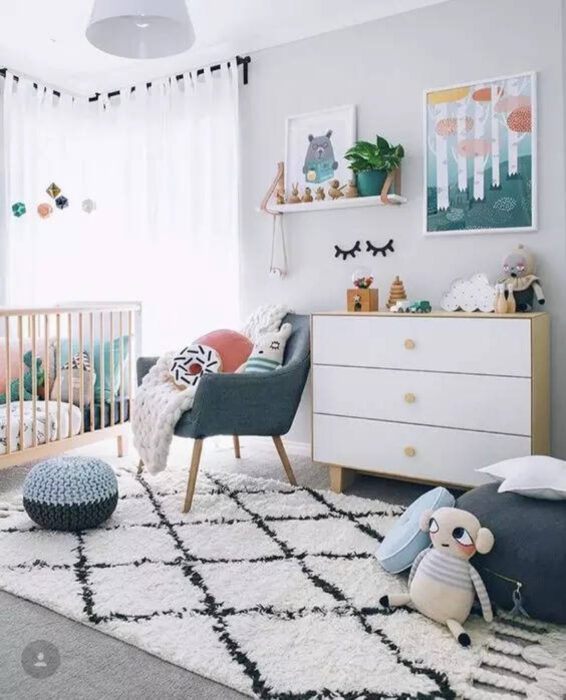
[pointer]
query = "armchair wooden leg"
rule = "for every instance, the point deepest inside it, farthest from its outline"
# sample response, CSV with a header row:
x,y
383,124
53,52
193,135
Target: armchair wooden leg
x,y
237,446
140,466
195,461
284,459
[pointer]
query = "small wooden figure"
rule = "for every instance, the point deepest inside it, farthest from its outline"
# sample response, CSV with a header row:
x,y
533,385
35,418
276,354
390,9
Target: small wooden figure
x,y
280,196
351,190
511,301
319,194
362,299
307,197
335,191
396,293
294,198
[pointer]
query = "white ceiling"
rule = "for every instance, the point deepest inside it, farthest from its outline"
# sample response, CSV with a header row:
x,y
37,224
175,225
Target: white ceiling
x,y
46,38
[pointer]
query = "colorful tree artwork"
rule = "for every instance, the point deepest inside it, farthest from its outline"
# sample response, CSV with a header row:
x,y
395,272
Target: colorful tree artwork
x,y
480,156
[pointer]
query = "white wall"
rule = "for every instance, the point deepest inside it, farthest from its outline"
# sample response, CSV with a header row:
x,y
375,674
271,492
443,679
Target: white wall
x,y
383,67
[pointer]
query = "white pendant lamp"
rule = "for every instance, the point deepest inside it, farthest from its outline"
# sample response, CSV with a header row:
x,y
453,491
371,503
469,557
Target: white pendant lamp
x,y
141,28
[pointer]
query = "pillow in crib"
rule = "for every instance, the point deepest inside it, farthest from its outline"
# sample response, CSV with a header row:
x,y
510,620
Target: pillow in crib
x,y
269,350
71,381
108,350
405,540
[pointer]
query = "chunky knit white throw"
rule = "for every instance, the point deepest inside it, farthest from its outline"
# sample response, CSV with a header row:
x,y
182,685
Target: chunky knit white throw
x,y
159,404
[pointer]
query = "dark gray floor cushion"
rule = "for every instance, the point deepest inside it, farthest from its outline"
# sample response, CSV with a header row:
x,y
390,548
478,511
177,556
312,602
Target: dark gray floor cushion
x,y
70,493
530,548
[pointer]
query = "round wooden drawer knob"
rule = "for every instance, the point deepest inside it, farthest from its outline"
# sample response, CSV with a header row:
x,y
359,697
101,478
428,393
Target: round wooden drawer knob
x,y
410,398
410,451
409,344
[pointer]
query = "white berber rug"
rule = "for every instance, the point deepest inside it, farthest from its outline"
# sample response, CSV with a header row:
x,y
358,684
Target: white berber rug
x,y
269,589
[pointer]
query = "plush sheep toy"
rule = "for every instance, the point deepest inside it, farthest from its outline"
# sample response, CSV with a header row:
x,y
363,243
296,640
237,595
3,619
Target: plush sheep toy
x,y
442,582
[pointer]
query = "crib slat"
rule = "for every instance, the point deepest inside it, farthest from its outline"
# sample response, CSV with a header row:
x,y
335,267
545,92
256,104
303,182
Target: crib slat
x,y
8,387
33,320
121,367
102,383
58,371
21,379
47,430
112,389
70,390
81,373
91,412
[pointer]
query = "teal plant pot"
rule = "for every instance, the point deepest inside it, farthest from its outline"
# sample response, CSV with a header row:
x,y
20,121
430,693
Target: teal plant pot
x,y
370,182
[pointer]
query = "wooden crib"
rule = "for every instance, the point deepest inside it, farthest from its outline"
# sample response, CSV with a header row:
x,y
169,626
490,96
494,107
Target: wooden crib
x,y
77,385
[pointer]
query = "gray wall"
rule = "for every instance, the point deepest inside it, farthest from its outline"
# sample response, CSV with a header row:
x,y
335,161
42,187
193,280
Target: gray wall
x,y
383,67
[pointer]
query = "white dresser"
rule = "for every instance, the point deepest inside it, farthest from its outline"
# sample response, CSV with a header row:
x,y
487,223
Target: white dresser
x,y
428,397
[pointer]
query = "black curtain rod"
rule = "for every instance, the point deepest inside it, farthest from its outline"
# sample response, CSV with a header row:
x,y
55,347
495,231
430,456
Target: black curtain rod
x,y
240,61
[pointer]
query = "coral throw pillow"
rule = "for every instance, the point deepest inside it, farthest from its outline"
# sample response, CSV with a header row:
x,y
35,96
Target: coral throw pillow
x,y
233,347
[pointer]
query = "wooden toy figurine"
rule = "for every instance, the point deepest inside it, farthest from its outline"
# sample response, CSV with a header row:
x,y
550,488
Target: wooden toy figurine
x,y
396,293
280,196
335,191
351,190
294,198
319,195
307,197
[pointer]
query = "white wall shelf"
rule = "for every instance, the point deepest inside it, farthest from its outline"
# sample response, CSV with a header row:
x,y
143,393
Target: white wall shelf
x,y
342,203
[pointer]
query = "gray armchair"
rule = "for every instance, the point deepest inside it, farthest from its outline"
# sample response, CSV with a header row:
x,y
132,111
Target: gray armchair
x,y
246,404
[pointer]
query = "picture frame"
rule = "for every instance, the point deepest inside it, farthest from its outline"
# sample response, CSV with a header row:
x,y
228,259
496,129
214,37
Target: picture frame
x,y
480,156
314,162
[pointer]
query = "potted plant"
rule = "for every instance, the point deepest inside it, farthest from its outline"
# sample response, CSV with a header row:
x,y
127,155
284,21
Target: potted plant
x,y
371,162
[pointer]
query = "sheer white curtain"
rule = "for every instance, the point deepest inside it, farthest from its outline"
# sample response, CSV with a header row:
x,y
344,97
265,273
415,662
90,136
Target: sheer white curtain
x,y
161,164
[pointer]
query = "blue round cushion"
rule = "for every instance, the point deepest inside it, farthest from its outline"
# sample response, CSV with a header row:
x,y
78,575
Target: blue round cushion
x,y
70,493
405,540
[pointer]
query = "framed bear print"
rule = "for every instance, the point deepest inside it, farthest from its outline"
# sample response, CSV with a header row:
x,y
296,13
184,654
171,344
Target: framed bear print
x,y
315,146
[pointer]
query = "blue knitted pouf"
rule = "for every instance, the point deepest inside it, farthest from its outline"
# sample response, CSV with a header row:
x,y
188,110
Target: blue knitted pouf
x,y
70,493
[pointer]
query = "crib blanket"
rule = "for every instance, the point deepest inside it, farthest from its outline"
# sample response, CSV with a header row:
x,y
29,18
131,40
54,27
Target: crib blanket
x,y
44,425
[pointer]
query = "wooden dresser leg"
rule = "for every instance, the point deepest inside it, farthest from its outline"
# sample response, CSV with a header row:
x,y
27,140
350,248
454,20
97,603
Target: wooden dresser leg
x,y
237,446
340,478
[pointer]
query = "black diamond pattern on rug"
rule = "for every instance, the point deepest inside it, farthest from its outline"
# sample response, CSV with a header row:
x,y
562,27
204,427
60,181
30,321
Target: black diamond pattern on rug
x,y
259,582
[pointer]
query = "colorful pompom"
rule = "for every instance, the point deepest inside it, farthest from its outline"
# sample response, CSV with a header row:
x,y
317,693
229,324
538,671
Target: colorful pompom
x,y
62,202
53,190
88,206
44,210
18,209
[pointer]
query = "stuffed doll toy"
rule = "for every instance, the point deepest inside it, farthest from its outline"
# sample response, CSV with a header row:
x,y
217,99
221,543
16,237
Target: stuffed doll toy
x,y
268,351
519,269
27,381
442,582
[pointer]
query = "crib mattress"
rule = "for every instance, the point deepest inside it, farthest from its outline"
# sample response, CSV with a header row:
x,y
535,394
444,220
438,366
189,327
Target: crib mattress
x,y
44,425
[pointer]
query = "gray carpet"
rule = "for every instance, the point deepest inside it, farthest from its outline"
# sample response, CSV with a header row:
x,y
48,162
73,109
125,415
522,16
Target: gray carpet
x,y
94,665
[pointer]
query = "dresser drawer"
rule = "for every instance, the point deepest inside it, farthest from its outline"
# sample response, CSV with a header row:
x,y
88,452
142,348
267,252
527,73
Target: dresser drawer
x,y
412,451
474,402
468,345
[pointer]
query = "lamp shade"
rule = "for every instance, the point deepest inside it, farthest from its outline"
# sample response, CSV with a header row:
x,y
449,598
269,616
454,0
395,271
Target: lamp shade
x,y
141,28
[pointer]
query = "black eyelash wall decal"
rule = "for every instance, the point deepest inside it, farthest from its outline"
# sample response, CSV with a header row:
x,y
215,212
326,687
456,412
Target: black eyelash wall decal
x,y
374,250
344,253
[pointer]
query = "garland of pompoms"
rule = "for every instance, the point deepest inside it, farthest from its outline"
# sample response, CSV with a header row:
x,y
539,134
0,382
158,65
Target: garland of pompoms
x,y
45,209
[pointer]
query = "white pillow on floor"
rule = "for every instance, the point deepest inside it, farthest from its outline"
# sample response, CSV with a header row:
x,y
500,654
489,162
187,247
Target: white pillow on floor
x,y
536,476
